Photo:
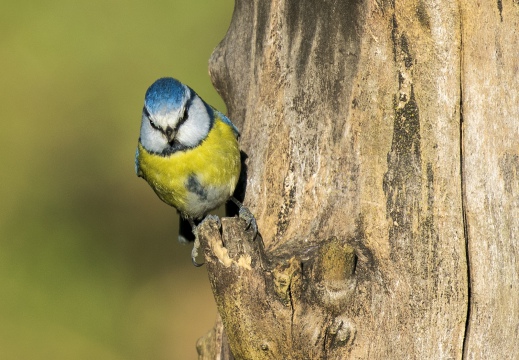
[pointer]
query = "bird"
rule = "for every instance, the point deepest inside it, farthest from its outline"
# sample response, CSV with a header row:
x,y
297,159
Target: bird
x,y
188,152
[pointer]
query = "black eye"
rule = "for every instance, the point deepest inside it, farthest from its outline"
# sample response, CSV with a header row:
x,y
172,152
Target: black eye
x,y
147,114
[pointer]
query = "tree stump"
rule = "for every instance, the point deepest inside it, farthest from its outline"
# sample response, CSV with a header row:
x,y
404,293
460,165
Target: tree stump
x,y
382,143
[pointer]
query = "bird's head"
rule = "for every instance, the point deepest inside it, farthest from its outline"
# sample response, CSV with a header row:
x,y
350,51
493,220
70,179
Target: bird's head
x,y
174,117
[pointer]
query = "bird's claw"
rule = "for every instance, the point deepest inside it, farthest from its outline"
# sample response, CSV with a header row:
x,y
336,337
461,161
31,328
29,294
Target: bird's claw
x,y
196,245
194,252
246,215
215,219
250,220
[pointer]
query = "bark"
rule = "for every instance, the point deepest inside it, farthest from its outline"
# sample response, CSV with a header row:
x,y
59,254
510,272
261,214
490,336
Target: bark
x,y
382,149
491,175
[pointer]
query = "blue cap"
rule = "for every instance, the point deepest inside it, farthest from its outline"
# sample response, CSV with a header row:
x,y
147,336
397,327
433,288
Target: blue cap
x,y
165,95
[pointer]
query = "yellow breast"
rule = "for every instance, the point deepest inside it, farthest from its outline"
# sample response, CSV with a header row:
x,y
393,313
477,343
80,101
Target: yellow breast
x,y
195,181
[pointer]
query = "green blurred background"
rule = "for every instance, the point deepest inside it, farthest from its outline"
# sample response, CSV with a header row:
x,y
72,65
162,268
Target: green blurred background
x,y
89,263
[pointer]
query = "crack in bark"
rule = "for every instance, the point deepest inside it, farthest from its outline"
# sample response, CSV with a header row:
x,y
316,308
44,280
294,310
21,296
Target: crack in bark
x,y
292,309
464,199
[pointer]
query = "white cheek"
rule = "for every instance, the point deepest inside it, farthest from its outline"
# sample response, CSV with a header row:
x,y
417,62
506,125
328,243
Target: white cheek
x,y
190,134
152,139
196,127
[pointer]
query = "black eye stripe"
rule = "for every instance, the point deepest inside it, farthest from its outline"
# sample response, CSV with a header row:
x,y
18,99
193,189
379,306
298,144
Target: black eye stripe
x,y
185,114
146,112
183,119
153,125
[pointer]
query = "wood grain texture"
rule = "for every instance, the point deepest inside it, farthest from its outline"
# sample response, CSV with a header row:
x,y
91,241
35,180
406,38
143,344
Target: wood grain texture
x,y
491,175
358,160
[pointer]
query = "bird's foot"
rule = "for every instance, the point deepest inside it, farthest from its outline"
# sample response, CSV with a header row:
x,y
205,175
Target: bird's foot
x,y
196,245
194,252
245,214
250,220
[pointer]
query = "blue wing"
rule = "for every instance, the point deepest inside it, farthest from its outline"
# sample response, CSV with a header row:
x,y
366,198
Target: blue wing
x,y
137,167
226,120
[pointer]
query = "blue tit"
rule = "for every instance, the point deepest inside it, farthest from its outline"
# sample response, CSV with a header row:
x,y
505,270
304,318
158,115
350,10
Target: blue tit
x,y
188,153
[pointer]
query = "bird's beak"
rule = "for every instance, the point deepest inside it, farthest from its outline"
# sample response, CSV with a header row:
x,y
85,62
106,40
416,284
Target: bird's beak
x,y
170,134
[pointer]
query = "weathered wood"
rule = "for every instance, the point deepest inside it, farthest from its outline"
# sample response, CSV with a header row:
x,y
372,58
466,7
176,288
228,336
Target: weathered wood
x,y
269,307
350,117
214,344
491,175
